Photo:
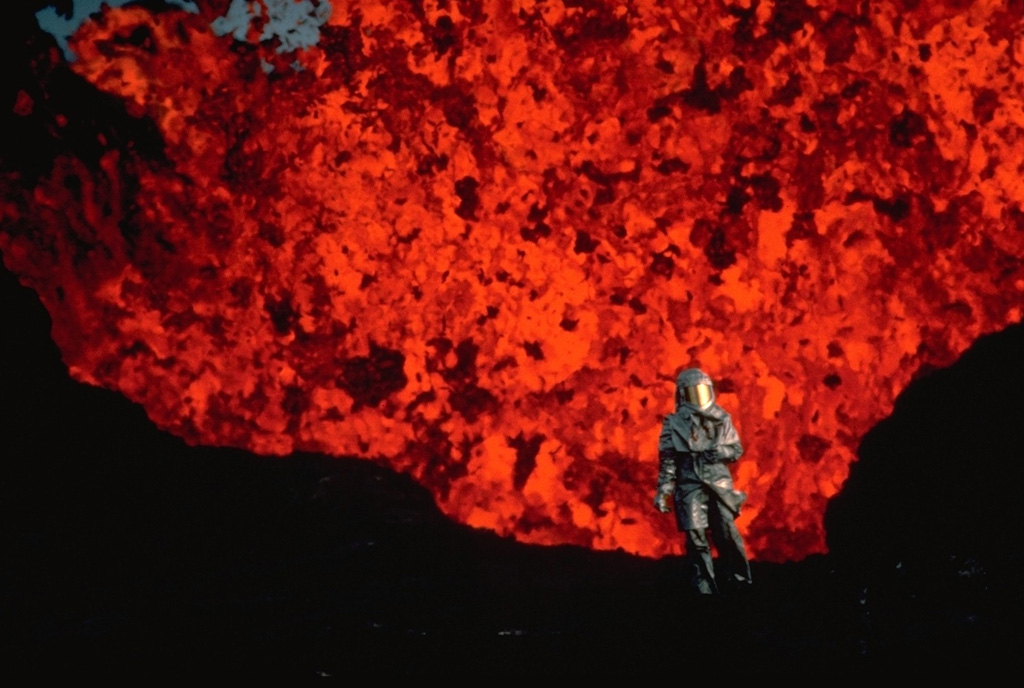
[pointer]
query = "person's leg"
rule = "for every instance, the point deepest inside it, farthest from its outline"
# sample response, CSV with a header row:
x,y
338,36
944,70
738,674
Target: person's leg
x,y
733,566
698,554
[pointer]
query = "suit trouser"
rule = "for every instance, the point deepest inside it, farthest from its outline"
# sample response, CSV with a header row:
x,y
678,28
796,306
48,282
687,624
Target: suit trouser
x,y
734,569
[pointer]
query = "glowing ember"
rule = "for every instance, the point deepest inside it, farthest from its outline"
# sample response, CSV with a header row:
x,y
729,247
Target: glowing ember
x,y
477,240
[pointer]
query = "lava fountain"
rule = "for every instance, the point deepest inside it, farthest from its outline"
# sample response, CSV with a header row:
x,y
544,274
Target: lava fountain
x,y
476,240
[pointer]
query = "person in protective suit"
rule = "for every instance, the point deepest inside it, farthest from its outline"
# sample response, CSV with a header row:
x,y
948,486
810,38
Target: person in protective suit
x,y
696,445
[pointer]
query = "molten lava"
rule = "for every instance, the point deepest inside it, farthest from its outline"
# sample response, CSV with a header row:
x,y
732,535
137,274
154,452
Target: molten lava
x,y
477,240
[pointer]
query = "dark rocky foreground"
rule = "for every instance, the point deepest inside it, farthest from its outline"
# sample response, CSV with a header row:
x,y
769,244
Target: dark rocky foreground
x,y
127,552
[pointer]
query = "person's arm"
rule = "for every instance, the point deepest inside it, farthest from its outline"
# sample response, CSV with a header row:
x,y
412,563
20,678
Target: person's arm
x,y
728,448
666,470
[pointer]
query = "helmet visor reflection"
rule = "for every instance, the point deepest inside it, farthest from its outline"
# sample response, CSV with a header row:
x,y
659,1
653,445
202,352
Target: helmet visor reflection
x,y
698,395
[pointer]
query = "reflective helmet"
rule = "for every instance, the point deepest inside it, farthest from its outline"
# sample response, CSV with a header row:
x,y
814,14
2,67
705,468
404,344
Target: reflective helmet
x,y
695,388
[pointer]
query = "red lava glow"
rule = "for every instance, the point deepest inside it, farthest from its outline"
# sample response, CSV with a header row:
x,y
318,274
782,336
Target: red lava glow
x,y
477,240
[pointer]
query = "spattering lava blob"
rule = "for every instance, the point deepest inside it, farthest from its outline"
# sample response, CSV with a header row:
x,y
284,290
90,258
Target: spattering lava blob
x,y
477,240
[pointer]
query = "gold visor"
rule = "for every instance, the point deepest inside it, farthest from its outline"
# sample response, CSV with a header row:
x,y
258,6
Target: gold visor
x,y
698,395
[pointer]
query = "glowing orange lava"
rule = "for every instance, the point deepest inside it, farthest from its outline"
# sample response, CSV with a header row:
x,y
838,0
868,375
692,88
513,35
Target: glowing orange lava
x,y
477,240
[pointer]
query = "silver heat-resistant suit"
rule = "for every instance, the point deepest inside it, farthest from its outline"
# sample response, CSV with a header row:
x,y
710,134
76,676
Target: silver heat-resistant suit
x,y
696,445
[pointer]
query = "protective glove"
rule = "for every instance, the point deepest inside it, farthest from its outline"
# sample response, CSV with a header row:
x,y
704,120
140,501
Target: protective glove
x,y
710,455
661,497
